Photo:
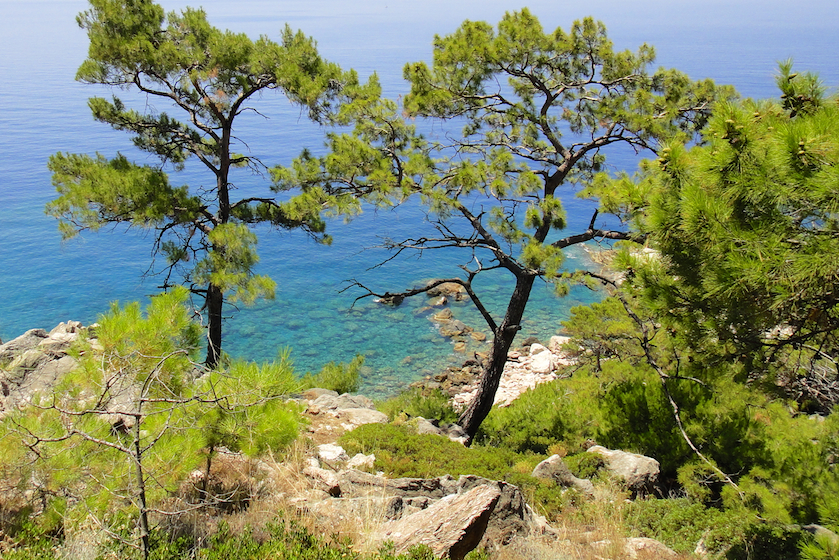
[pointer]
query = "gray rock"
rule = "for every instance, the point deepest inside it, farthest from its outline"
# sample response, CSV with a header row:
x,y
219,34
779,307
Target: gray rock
x,y
423,426
448,289
556,343
553,468
329,402
639,473
455,433
542,362
451,527
511,516
28,340
332,453
315,392
537,348
360,461
357,483
326,480
823,532
361,416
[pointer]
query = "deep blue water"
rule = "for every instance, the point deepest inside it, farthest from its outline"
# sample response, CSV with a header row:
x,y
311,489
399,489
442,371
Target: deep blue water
x,y
42,110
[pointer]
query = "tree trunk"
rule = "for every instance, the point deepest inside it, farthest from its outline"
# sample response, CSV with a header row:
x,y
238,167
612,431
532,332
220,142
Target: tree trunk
x,y
502,340
142,506
215,302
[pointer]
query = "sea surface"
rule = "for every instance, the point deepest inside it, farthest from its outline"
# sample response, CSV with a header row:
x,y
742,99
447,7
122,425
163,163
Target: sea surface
x,y
43,110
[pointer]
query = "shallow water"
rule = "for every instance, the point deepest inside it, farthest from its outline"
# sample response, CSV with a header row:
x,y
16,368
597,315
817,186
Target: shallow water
x,y
42,110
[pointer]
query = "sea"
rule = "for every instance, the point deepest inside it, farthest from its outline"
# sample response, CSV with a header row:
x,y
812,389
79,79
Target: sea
x,y
316,315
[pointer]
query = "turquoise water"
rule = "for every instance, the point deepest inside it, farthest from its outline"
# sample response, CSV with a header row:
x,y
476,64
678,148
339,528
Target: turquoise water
x,y
42,110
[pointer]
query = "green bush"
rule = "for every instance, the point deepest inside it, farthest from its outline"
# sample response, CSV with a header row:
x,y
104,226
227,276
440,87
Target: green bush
x,y
401,451
546,415
339,377
417,401
584,465
681,523
819,547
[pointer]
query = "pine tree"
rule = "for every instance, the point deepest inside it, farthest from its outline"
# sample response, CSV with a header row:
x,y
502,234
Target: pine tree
x,y
208,78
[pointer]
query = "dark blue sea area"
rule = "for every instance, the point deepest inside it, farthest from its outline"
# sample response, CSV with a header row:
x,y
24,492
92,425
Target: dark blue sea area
x,y
43,110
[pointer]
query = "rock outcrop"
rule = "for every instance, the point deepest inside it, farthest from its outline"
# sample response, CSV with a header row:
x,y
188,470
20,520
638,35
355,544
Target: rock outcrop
x,y
493,516
638,473
452,527
350,410
34,362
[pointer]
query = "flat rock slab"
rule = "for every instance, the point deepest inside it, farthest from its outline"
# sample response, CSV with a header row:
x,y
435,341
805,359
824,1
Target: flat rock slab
x,y
451,527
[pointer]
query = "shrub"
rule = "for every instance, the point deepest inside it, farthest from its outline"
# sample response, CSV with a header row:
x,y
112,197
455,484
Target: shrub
x,y
401,451
585,465
541,417
681,523
339,377
417,401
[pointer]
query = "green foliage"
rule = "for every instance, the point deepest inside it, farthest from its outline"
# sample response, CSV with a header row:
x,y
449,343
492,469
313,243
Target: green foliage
x,y
584,465
545,415
416,401
538,111
339,377
681,523
746,225
254,417
279,538
206,77
819,547
122,431
401,451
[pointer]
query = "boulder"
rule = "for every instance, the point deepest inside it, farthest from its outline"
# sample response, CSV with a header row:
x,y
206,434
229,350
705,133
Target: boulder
x,y
353,410
328,481
556,342
443,316
355,417
542,363
327,401
423,426
553,468
638,473
821,532
332,453
453,328
360,461
511,516
315,392
34,363
451,527
536,348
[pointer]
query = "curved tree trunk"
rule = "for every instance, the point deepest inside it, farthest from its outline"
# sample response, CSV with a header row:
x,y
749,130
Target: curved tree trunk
x,y
215,302
502,340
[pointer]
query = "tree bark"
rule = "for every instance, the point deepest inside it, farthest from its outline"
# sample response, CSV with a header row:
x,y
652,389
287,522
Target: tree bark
x,y
142,506
215,302
502,340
